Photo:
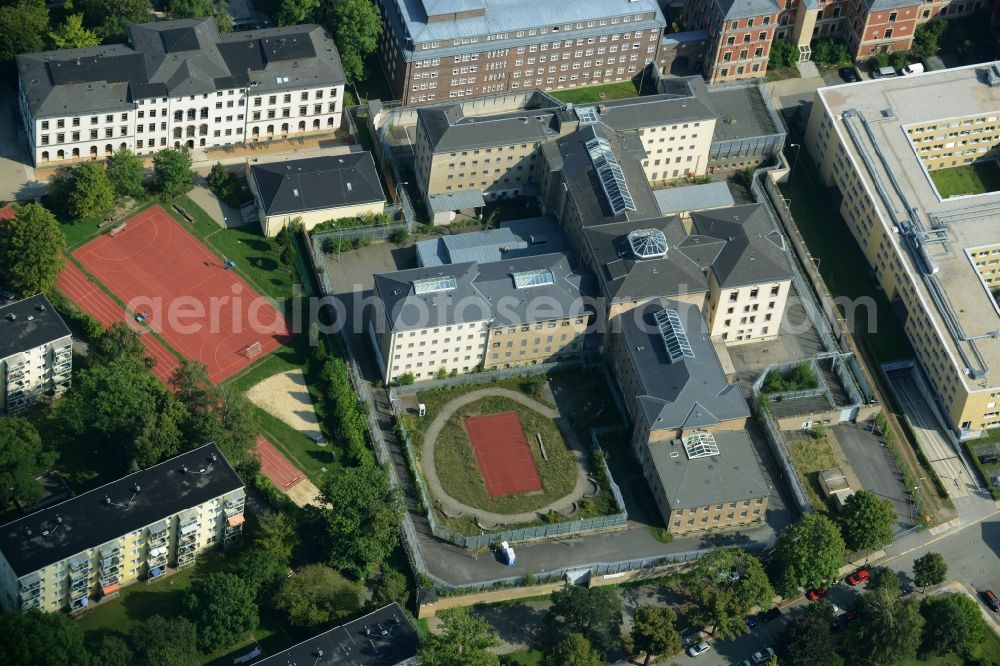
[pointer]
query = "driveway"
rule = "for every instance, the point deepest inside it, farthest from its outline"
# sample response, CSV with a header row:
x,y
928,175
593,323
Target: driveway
x,y
16,174
875,470
224,215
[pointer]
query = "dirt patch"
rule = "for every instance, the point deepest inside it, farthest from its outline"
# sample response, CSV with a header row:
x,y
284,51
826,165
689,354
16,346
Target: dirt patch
x,y
286,397
304,492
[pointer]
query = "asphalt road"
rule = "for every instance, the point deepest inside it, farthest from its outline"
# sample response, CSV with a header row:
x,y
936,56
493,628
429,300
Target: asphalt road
x,y
875,470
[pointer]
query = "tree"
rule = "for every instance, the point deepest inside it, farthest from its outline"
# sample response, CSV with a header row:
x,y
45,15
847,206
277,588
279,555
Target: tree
x,y
31,249
172,171
725,585
809,642
22,25
356,29
595,612
783,54
199,8
21,460
888,630
108,18
72,34
125,171
883,577
573,650
112,651
926,38
654,632
464,639
317,595
277,533
119,341
391,586
160,641
866,521
929,569
89,194
954,624
808,554
224,609
217,178
294,12
263,571
34,638
830,51
159,439
362,525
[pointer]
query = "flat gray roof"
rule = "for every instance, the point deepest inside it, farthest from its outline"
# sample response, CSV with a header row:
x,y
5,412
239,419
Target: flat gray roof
x,y
743,113
693,197
29,323
514,239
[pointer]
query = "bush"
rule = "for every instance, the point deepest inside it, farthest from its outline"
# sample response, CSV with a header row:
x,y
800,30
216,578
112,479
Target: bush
x,y
783,54
399,236
405,379
878,61
830,51
226,185
801,378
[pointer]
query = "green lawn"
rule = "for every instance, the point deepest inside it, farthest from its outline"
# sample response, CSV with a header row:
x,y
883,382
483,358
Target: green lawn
x,y
811,456
977,178
842,264
523,658
987,654
603,93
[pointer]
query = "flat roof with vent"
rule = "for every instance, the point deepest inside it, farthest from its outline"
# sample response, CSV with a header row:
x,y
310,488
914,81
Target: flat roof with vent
x,y
117,508
610,174
29,323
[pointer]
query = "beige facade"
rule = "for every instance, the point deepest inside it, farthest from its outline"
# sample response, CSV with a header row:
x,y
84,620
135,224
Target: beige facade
x,y
425,352
498,170
952,142
36,354
746,314
538,342
272,224
731,515
676,150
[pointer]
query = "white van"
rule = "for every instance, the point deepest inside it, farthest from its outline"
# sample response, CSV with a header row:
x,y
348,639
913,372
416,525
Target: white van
x,y
914,68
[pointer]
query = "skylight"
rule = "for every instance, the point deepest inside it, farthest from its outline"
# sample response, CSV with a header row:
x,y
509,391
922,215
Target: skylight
x,y
648,243
434,284
700,445
586,114
612,179
674,337
536,278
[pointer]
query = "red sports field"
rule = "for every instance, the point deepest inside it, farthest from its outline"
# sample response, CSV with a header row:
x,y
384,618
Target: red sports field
x,y
205,312
275,466
89,298
503,454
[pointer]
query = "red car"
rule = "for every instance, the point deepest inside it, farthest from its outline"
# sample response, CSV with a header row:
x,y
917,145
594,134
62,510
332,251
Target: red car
x,y
817,594
858,577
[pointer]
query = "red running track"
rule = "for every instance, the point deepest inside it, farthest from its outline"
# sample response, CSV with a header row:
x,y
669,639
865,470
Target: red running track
x,y
276,466
205,312
503,454
89,298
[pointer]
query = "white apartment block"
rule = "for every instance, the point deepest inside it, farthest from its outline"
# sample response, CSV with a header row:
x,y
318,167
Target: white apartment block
x,y
179,84
136,528
36,353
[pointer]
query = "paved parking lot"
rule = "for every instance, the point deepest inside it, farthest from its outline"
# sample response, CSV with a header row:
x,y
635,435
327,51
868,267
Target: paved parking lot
x,y
875,469
16,175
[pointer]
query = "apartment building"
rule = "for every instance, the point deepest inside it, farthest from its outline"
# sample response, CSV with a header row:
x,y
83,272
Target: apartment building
x,y
87,548
459,317
740,34
436,50
935,258
179,83
36,353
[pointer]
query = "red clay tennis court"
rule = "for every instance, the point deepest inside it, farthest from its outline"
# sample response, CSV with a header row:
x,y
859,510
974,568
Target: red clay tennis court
x,y
275,466
89,298
205,312
503,454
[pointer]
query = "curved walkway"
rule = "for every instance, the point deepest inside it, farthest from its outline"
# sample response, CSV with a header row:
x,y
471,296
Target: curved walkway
x,y
452,506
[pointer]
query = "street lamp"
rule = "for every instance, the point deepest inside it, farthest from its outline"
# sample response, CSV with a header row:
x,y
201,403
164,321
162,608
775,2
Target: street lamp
x,y
798,148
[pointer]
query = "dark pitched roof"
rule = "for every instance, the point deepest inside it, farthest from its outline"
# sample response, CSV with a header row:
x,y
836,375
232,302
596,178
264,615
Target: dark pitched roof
x,y
385,637
682,100
87,521
743,243
689,392
317,183
179,57
29,323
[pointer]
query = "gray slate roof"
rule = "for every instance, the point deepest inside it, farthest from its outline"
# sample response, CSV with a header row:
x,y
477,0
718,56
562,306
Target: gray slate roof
x,y
483,292
739,244
517,238
175,58
35,323
688,393
317,183
457,200
448,129
733,475
733,9
681,100
693,197
88,521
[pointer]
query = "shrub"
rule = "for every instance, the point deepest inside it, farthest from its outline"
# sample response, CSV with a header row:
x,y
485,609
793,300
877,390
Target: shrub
x,y
405,379
830,51
399,236
783,54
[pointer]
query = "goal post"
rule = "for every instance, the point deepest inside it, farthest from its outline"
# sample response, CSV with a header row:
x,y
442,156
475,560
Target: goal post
x,y
252,350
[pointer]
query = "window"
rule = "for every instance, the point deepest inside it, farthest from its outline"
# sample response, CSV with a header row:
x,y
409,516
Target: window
x,y
892,17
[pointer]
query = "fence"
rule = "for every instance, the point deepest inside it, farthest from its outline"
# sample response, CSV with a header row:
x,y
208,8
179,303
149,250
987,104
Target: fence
x,y
778,449
483,377
337,240
821,389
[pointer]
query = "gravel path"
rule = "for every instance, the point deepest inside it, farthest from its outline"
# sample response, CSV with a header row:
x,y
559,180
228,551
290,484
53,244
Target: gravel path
x,y
453,507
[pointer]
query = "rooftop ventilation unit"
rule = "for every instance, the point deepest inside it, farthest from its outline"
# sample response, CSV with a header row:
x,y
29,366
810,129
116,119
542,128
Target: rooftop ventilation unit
x,y
648,243
675,339
700,445
993,75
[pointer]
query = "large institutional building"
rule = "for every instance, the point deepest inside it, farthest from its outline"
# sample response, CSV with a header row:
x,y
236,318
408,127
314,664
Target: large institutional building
x,y
136,528
179,83
937,259
436,50
36,353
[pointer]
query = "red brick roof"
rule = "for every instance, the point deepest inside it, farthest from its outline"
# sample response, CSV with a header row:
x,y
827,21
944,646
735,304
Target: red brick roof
x,y
7,213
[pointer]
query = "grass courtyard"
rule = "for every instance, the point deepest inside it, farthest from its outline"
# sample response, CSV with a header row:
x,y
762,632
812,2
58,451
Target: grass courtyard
x,y
810,456
977,178
594,94
459,472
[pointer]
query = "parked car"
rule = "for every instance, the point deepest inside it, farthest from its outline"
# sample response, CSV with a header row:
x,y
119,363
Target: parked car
x,y
989,458
911,69
848,74
762,656
772,614
752,621
817,594
991,600
906,589
883,73
698,649
142,316
858,577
